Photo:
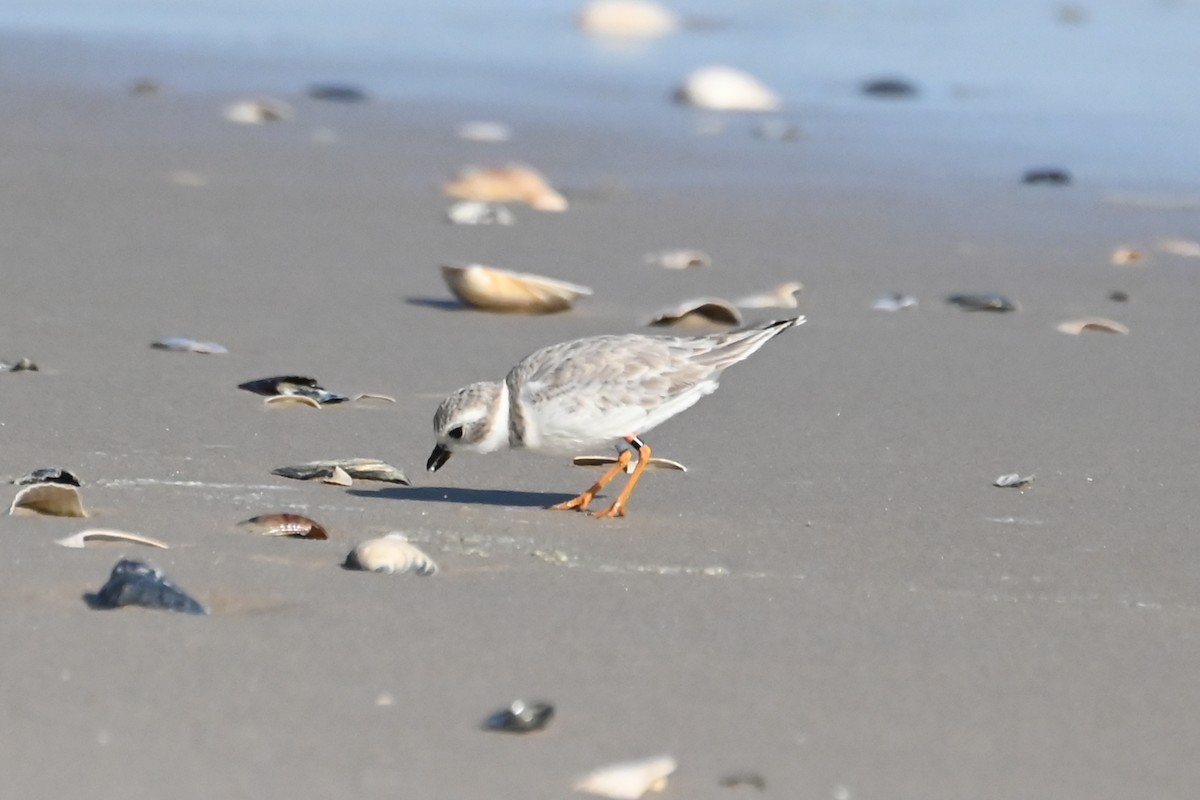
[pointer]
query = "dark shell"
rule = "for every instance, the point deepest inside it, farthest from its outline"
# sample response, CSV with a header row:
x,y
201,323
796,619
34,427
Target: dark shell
x,y
889,87
337,93
738,780
294,386
366,469
982,302
1118,296
520,717
48,475
1047,176
134,583
24,365
293,525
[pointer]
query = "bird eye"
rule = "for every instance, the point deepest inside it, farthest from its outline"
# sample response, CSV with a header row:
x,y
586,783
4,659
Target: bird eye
x,y
455,433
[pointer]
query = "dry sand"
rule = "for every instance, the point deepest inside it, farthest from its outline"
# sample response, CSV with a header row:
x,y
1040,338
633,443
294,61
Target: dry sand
x,y
834,596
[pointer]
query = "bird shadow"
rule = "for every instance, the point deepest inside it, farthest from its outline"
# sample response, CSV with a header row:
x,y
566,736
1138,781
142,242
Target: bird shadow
x,y
445,304
448,494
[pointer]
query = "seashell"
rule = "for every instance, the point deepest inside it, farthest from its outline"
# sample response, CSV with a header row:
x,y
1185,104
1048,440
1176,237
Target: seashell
x,y
258,112
1047,176
476,212
369,396
1075,327
782,296
720,88
337,93
628,780
1014,481
294,386
633,19
339,477
895,301
367,469
679,259
982,302
512,183
892,88
603,461
495,289
48,475
81,539
1179,247
181,344
390,554
291,398
488,132
50,499
520,717
698,310
293,525
737,780
1122,256
23,365
134,583
1118,296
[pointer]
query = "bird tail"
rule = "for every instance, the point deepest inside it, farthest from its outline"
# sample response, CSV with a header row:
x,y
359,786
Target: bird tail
x,y
738,345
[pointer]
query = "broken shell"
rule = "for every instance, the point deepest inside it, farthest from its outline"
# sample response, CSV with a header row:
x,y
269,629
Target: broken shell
x,y
258,112
679,259
1075,327
782,296
719,88
1014,481
291,398
639,19
1048,176
604,461
293,525
367,469
511,183
293,386
1180,247
48,475
24,365
390,554
101,535
50,499
370,396
1122,256
337,93
476,212
699,310
982,302
488,132
495,289
339,477
895,302
628,780
520,717
182,344
134,583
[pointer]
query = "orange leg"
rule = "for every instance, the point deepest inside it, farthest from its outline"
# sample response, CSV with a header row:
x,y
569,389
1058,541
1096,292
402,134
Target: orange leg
x,y
617,509
582,501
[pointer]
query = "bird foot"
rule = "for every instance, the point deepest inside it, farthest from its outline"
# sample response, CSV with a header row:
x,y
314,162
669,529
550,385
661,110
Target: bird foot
x,y
615,510
581,502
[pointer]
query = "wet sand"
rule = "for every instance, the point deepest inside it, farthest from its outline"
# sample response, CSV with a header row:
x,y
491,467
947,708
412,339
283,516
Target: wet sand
x,y
834,596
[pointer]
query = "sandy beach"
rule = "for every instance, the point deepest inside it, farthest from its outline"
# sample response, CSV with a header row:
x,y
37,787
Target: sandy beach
x,y
834,597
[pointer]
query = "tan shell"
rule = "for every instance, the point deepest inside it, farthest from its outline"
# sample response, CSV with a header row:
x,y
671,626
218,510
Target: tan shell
x,y
51,499
289,399
101,535
638,19
604,461
390,554
720,88
510,183
495,289
1122,256
258,112
679,259
293,525
628,780
1075,327
782,296
1180,247
700,310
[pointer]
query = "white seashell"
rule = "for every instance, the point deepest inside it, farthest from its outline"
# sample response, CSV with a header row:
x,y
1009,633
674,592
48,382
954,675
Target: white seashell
x,y
390,554
626,18
50,499
628,780
1075,327
720,88
489,132
895,302
259,112
1014,481
339,478
511,183
782,296
495,289
710,310
182,344
604,461
101,535
285,399
476,212
1180,247
679,259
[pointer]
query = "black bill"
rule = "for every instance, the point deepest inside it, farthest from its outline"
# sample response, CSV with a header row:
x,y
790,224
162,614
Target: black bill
x,y
437,458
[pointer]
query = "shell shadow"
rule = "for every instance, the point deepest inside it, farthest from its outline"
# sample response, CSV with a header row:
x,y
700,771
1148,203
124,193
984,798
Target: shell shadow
x,y
454,494
443,303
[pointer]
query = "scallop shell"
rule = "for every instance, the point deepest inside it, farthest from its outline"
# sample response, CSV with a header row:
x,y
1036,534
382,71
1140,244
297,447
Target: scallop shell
x,y
502,290
628,780
81,539
258,112
1075,327
633,19
720,88
710,310
782,296
510,183
50,499
604,461
293,525
390,554
679,259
